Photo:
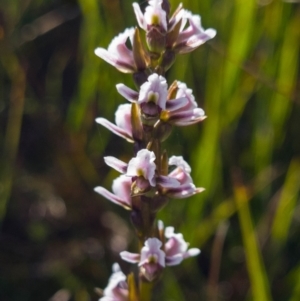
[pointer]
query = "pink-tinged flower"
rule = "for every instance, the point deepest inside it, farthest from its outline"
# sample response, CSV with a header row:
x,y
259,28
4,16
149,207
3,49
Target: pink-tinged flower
x,y
151,260
153,91
121,195
182,174
118,54
117,288
123,126
154,15
193,36
143,165
185,113
142,169
154,22
176,248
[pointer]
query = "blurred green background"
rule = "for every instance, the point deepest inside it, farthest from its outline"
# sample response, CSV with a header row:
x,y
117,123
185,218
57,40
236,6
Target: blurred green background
x,y
59,239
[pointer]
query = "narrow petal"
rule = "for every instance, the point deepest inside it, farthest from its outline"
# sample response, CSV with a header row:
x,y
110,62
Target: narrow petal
x,y
112,197
127,93
175,104
139,15
167,182
115,129
130,257
192,252
116,164
174,260
183,192
187,117
188,122
196,41
114,60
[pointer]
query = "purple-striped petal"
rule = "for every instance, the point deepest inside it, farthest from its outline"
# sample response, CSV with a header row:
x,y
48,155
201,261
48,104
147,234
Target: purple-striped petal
x,y
167,182
112,197
127,93
114,60
175,104
115,129
183,191
174,260
130,257
181,118
116,164
193,36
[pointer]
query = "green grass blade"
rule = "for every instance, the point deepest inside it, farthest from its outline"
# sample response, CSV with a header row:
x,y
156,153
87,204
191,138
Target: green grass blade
x,y
287,202
255,266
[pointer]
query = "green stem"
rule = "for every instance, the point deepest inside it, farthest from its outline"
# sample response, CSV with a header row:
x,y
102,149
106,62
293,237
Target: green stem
x,y
145,290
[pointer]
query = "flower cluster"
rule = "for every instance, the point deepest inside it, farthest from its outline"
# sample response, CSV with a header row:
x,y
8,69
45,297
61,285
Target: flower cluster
x,y
164,36
151,260
151,178
141,173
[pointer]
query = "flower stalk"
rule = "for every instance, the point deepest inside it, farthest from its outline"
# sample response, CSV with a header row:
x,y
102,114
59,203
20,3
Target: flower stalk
x,y
150,179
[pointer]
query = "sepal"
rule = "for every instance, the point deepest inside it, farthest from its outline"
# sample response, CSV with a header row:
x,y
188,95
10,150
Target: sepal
x,y
137,128
140,55
132,288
